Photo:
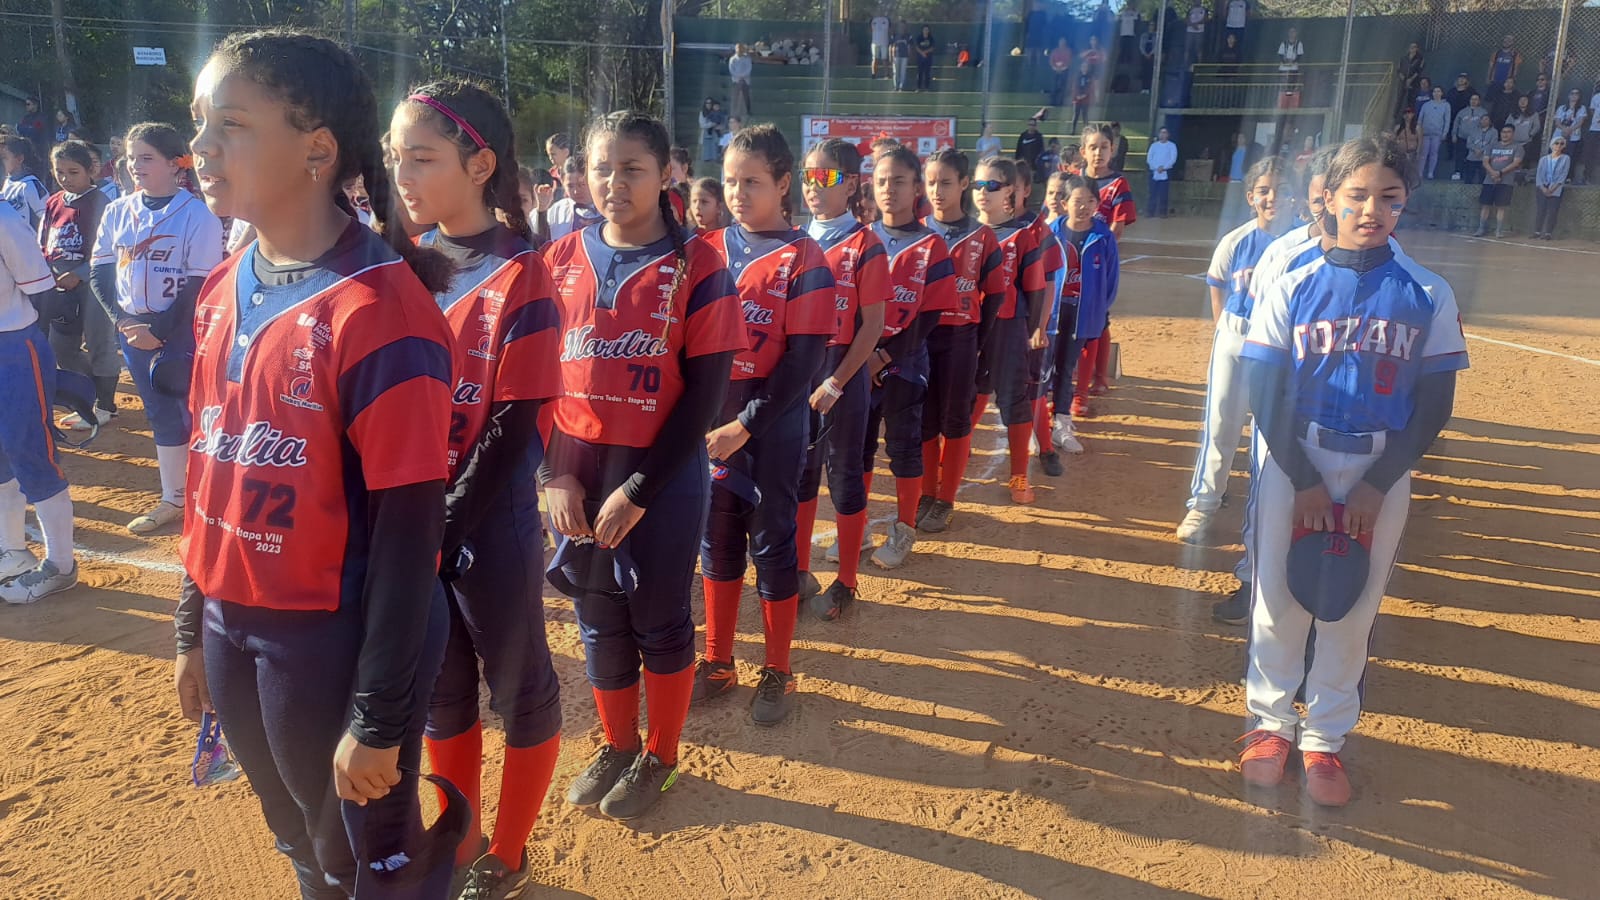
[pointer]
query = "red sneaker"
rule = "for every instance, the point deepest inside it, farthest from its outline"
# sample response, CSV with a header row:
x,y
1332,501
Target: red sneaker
x,y
1264,757
1080,408
1326,781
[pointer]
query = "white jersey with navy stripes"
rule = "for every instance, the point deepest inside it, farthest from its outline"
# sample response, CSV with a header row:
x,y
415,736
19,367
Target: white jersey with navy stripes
x,y
1355,346
23,271
26,194
155,250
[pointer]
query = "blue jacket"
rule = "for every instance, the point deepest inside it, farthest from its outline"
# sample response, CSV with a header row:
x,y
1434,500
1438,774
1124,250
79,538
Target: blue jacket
x,y
1099,273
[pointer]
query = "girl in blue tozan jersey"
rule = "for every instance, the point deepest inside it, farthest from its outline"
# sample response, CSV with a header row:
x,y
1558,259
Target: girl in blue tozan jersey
x,y
1351,361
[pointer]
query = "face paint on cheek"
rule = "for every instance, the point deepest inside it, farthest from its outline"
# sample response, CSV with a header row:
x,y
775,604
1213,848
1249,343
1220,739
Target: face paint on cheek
x,y
1346,213
1395,209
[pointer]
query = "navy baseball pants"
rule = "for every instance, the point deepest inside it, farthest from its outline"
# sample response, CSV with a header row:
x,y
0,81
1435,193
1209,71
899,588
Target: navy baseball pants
x,y
652,624
27,448
283,682
765,529
897,407
1004,370
952,381
837,439
168,415
1066,363
497,615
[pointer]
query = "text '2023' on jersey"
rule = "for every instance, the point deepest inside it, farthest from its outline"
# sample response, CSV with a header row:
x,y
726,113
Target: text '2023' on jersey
x,y
860,272
978,263
1358,343
920,269
627,323
507,334
308,396
785,287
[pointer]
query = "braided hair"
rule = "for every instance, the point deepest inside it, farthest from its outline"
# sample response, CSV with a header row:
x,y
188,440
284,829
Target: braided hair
x,y
653,135
846,157
767,142
324,87
488,117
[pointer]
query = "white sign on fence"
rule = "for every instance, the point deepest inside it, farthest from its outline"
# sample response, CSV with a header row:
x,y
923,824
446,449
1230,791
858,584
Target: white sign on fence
x,y
149,56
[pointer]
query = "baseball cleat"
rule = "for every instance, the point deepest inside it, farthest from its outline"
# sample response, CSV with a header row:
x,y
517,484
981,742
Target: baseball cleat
x,y
1195,527
31,587
16,562
712,679
938,517
775,697
893,553
809,587
1235,610
594,783
1021,491
830,605
924,503
1051,464
156,519
639,788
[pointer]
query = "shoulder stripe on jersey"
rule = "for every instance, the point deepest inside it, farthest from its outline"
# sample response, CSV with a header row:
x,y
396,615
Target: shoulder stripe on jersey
x,y
532,318
469,291
1030,258
874,250
392,364
710,289
817,279
994,260
944,268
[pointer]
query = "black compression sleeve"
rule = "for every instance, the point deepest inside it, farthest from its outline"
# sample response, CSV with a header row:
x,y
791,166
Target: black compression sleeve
x,y
986,317
407,525
512,428
1436,396
1272,405
1037,314
705,385
788,383
186,619
911,337
103,284
180,314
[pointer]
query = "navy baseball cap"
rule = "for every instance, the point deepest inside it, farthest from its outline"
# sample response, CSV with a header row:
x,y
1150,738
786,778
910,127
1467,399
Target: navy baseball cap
x,y
75,392
1328,569
170,369
399,862
578,565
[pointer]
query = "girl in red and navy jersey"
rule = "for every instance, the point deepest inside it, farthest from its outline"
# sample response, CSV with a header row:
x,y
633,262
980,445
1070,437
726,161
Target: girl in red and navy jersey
x,y
1117,211
67,233
1041,362
454,148
841,390
312,617
924,289
953,343
1004,360
650,326
707,210
786,292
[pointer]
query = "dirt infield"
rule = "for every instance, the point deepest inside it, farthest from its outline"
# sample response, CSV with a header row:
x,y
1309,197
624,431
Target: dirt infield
x,y
1036,705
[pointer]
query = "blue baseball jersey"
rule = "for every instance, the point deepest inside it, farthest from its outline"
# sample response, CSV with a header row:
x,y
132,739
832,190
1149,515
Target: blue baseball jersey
x,y
1234,262
1358,343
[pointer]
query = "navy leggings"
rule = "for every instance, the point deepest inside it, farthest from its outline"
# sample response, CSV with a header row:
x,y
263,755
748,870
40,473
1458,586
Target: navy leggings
x,y
1005,368
652,624
952,382
837,439
497,615
766,529
283,683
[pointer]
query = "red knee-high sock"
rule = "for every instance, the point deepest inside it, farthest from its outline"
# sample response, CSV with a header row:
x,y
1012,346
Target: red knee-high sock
x,y
1102,355
460,761
523,785
907,491
805,523
852,531
1041,424
666,700
930,467
978,408
954,465
619,715
778,616
722,617
1086,360
1017,439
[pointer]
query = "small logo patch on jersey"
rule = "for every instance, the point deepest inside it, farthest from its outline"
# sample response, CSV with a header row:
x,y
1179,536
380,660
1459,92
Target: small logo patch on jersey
x,y
300,391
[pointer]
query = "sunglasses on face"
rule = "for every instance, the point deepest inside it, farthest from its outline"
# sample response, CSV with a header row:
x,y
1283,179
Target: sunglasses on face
x,y
823,178
988,186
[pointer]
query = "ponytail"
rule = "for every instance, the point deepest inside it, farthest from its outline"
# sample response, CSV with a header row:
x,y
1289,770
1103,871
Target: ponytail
x,y
474,120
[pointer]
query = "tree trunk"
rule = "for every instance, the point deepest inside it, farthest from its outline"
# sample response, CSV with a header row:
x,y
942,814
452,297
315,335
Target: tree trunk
x,y
58,27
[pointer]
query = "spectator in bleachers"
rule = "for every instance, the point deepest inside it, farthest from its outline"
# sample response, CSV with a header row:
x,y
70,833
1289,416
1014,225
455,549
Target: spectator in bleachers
x,y
880,42
1409,135
1504,62
988,144
1539,97
739,69
1030,144
1423,94
1433,120
1501,160
1119,149
1504,102
1194,35
1525,123
1061,66
1238,16
925,48
1411,77
1591,141
1160,158
1050,159
1127,34
1549,180
1290,51
1480,138
1571,122
1240,160
900,57
1232,55
33,125
1095,57
735,123
1457,96
1082,95
712,124
1466,125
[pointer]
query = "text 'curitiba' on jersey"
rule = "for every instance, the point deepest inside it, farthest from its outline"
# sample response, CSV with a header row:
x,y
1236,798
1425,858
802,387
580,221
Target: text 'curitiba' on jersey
x,y
628,320
506,336
1358,343
785,287
306,398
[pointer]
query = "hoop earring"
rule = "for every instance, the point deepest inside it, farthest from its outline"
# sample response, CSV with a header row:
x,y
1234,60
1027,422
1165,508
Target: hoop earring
x,y
316,174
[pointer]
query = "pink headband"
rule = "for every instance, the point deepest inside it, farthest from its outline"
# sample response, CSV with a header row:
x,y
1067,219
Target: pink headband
x,y
450,114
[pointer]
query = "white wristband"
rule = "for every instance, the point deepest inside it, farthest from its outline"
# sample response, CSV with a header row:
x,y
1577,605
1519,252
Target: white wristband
x,y
832,387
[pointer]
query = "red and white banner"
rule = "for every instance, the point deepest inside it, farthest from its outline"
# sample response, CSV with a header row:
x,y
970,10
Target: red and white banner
x,y
924,134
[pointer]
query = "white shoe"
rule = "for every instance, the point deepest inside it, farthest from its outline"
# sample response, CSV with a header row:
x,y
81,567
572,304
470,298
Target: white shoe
x,y
1193,528
16,562
41,582
1064,436
75,422
833,553
893,553
156,519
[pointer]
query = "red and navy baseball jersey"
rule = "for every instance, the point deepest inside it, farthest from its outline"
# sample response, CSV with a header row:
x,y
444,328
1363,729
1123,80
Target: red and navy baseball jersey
x,y
922,274
307,396
1022,264
505,336
785,287
860,273
1051,256
1116,202
68,228
628,320
978,262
